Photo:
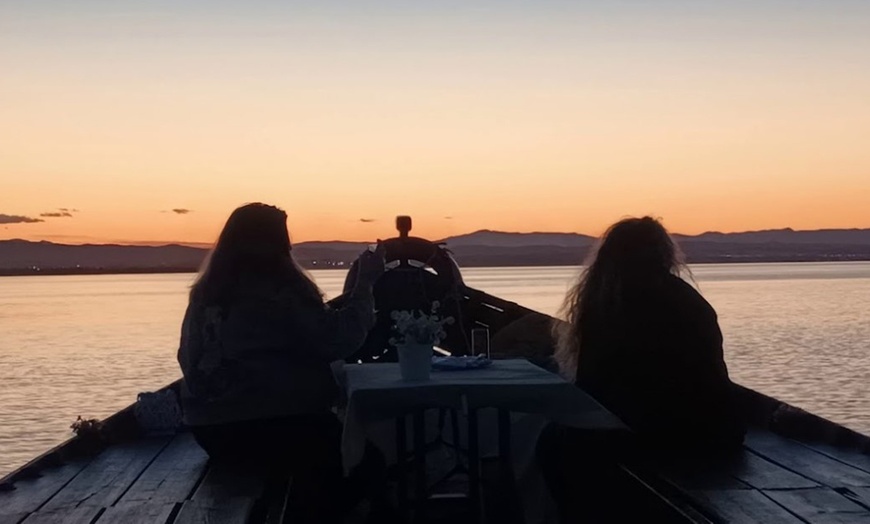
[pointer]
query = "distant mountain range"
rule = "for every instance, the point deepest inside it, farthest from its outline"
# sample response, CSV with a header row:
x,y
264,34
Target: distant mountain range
x,y
481,248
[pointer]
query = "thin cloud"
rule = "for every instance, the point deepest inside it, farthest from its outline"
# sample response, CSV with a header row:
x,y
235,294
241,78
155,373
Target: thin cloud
x,y
18,219
448,218
57,214
181,211
67,210
367,220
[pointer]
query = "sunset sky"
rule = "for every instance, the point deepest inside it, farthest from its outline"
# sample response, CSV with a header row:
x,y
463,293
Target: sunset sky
x,y
149,121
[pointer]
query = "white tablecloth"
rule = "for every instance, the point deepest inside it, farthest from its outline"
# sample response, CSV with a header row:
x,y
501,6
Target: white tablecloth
x,y
377,393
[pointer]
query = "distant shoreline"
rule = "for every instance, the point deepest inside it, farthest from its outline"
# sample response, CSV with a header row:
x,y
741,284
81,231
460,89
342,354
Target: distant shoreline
x,y
188,270
479,249
91,271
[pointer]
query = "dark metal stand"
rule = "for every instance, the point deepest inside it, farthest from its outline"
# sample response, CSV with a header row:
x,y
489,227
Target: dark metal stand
x,y
474,463
421,488
401,452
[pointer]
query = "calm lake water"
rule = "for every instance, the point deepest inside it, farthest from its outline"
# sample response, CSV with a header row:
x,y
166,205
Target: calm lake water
x,y
86,345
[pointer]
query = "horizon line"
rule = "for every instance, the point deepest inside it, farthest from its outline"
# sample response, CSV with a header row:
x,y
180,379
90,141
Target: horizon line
x,y
207,245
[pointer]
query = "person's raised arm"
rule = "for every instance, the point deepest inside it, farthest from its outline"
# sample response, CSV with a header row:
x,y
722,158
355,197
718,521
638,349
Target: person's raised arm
x,y
337,333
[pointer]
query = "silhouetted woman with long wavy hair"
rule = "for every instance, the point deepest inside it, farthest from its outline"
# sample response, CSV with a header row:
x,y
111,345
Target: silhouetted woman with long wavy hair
x,y
256,346
645,344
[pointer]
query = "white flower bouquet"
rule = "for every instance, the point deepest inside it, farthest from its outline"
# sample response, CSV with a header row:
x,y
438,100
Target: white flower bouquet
x,y
416,327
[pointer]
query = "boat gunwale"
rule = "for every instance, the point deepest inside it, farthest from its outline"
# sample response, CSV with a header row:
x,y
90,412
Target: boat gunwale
x,y
118,427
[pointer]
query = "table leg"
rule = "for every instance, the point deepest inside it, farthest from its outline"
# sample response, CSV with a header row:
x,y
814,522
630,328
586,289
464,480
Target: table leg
x,y
505,461
419,465
504,436
401,464
457,445
473,463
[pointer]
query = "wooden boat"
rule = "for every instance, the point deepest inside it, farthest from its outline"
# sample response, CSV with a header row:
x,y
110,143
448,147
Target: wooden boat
x,y
796,467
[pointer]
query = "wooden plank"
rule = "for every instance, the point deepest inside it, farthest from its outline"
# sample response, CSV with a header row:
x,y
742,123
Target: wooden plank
x,y
109,475
145,513
173,474
859,495
668,505
30,494
763,474
84,515
227,495
223,481
227,511
849,456
746,471
805,461
688,477
741,506
821,505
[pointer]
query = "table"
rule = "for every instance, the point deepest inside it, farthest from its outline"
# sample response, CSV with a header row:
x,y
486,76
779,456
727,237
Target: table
x,y
376,392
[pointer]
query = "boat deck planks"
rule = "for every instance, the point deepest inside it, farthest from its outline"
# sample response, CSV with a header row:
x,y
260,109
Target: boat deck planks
x,y
686,477
859,495
222,482
84,515
30,494
102,482
142,513
746,471
848,456
761,473
227,511
806,461
741,506
164,480
793,484
173,475
225,496
821,506
170,481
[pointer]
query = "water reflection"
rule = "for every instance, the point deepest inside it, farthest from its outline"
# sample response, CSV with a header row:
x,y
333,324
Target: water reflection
x,y
85,345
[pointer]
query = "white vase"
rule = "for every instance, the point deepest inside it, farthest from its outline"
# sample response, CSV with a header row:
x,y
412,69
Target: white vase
x,y
415,361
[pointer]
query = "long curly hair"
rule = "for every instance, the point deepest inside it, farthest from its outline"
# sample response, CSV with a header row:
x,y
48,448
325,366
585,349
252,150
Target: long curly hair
x,y
633,253
253,243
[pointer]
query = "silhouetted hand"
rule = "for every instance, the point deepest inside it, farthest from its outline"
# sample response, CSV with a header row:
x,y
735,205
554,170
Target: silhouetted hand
x,y
371,265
